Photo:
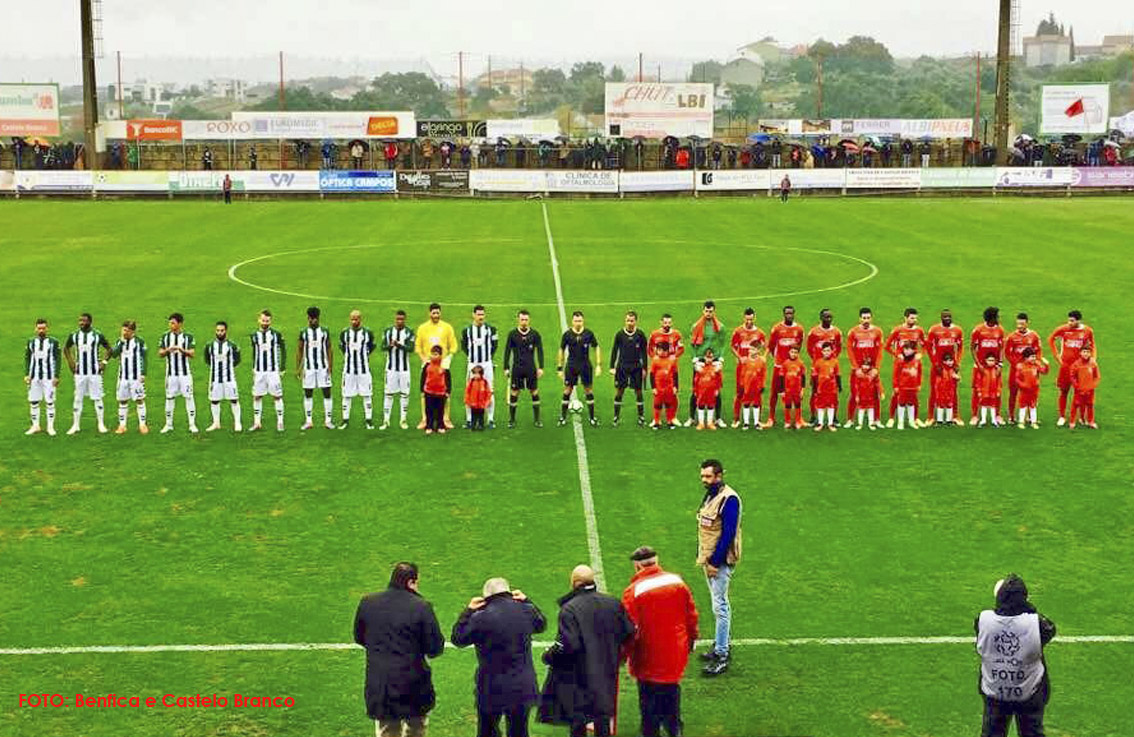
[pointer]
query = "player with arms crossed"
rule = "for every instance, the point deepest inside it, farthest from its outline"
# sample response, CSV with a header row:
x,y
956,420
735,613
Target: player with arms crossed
x,y
130,350
398,341
357,343
863,340
1016,343
177,348
823,333
987,339
706,335
785,335
41,375
314,362
267,366
523,365
628,366
222,356
574,365
944,339
479,341
1072,338
85,351
907,331
744,336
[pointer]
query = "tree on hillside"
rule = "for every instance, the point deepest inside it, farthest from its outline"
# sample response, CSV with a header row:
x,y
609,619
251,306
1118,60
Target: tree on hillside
x,y
706,71
406,91
746,102
587,69
616,74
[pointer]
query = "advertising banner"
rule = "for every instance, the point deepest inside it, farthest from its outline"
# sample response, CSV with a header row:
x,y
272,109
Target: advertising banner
x,y
958,178
811,178
939,128
533,129
7,181
452,129
443,181
131,181
337,125
507,180
1103,176
1037,176
153,130
202,181
1074,108
452,182
1124,124
659,109
278,181
883,178
29,109
50,180
656,181
216,130
739,179
357,181
586,180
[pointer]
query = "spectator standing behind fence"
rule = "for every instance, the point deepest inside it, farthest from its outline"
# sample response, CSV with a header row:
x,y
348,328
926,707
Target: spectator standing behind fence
x,y
777,153
328,151
906,148
427,153
1013,674
253,158
356,155
924,149
301,150
399,631
390,152
206,160
134,159
500,623
466,156
446,149
475,153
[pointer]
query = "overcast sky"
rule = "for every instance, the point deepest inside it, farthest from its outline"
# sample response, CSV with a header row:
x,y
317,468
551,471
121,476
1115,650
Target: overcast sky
x,y
435,30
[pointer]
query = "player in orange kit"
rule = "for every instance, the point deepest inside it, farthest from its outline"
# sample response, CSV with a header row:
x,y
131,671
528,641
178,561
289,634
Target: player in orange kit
x,y
1015,343
1073,337
987,339
987,386
663,380
753,371
785,335
707,389
1084,379
826,383
945,378
904,332
907,384
744,335
864,339
1025,383
944,338
791,381
824,332
866,388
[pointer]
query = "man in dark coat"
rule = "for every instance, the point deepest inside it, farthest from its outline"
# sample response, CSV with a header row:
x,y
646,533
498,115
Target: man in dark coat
x,y
501,624
582,682
399,631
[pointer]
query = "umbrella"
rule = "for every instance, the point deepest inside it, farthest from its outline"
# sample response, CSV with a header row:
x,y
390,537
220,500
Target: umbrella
x,y
1070,138
1116,135
1023,138
33,140
565,139
868,149
670,141
818,151
1111,144
502,141
360,142
759,138
849,145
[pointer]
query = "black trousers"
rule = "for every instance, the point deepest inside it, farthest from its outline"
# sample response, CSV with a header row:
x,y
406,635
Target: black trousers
x,y
434,411
1029,716
660,704
488,725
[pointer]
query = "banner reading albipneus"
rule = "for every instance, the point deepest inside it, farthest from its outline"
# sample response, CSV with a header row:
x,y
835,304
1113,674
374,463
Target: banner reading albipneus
x,y
29,109
659,109
1074,108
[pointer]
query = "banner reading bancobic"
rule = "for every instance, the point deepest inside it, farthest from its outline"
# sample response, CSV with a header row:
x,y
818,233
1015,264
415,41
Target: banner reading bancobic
x,y
29,110
1074,108
659,109
153,130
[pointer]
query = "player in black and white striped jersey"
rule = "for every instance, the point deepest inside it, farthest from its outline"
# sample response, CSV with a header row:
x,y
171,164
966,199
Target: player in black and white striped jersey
x,y
267,365
41,374
85,351
222,356
130,350
398,342
178,348
479,341
314,361
357,343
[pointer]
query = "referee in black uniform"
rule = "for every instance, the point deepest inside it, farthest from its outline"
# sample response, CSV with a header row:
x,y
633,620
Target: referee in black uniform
x,y
523,364
575,365
628,365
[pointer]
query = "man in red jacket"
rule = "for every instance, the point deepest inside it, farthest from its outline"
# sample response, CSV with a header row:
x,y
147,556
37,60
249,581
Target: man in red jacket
x,y
661,607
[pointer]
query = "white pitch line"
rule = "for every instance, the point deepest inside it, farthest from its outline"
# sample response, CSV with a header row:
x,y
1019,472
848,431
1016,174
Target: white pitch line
x,y
540,644
577,425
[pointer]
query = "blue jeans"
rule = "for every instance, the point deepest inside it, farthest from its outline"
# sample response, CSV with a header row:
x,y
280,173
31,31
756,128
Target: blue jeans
x,y
718,590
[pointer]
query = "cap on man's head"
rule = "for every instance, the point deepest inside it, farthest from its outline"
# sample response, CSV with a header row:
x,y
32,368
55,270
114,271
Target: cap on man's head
x,y
643,553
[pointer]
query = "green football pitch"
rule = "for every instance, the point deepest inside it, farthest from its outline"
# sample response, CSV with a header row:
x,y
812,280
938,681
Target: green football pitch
x,y
851,538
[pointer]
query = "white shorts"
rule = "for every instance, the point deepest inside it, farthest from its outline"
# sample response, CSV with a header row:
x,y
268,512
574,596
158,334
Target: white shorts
x,y
178,386
316,379
266,382
355,385
223,390
131,390
41,390
397,382
489,375
88,386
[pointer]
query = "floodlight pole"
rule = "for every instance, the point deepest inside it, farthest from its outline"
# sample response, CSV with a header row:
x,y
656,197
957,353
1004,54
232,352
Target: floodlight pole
x,y
1003,75
976,107
121,111
639,67
90,86
283,98
819,81
461,83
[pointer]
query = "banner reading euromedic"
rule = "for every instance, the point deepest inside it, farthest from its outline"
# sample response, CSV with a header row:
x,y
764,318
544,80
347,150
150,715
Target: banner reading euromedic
x,y
338,125
659,109
1074,108
734,179
29,109
357,181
